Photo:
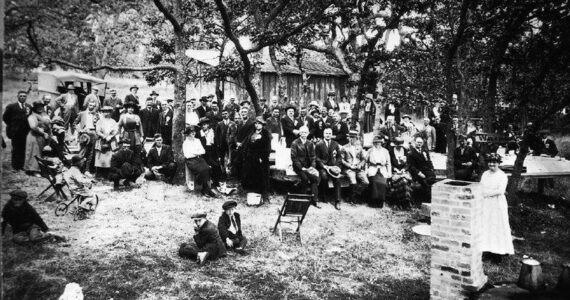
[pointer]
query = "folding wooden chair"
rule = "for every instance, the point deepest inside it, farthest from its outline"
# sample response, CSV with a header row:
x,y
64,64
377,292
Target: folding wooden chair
x,y
49,174
295,209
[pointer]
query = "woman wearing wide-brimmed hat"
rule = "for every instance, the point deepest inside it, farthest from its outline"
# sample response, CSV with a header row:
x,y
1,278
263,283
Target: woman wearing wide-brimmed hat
x,y
40,132
131,128
379,170
496,231
107,131
257,147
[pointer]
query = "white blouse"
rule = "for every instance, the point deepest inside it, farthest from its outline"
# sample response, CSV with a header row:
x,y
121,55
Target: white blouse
x,y
192,148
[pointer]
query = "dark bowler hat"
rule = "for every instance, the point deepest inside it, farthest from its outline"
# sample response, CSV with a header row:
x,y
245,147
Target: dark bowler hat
x,y
204,120
154,93
198,215
37,104
19,194
204,99
353,133
133,87
76,159
244,102
331,93
169,100
291,107
229,204
259,119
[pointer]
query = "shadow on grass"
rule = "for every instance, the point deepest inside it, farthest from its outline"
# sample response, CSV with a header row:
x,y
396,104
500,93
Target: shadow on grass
x,y
391,288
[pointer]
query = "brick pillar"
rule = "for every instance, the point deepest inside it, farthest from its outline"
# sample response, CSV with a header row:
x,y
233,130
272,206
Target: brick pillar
x,y
456,218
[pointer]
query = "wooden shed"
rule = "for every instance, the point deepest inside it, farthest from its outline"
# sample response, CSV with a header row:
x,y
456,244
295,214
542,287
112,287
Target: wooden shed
x,y
322,78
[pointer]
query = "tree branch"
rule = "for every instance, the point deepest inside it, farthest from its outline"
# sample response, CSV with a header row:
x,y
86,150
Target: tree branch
x,y
275,11
111,68
175,24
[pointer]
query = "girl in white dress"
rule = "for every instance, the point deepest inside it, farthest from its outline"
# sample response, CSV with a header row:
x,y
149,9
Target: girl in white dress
x,y
497,237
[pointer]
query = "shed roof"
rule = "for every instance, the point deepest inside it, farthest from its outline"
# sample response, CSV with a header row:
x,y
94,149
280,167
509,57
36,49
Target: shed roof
x,y
210,57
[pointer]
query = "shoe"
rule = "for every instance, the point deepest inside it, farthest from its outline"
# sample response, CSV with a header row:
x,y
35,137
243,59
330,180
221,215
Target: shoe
x,y
202,257
127,183
116,186
240,251
315,204
337,205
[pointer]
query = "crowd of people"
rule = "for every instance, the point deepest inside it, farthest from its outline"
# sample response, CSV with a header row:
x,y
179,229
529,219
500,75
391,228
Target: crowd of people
x,y
224,140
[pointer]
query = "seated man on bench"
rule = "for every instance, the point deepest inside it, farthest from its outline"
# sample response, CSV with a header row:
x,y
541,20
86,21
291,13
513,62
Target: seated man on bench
x,y
160,161
27,225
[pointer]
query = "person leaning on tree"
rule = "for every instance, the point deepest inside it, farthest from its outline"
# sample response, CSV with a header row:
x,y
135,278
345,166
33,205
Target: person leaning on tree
x,y
206,243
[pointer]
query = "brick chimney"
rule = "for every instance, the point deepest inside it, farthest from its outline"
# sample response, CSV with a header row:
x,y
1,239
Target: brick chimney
x,y
456,218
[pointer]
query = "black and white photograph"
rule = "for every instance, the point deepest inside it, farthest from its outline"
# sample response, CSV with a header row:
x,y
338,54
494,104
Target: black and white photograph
x,y
285,149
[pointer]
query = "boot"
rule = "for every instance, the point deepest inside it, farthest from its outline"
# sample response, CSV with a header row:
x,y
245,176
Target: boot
x,y
352,199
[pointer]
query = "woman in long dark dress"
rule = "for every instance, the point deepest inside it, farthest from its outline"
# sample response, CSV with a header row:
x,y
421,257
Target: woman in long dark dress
x,y
401,189
379,170
256,161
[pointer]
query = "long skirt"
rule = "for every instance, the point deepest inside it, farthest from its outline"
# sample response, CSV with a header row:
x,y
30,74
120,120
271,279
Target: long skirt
x,y
103,159
401,191
496,230
34,146
377,190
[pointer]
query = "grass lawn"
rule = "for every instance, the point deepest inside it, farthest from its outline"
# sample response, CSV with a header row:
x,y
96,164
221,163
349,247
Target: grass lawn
x,y
128,249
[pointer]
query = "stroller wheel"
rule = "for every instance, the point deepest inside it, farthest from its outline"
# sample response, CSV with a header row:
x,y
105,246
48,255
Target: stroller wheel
x,y
61,209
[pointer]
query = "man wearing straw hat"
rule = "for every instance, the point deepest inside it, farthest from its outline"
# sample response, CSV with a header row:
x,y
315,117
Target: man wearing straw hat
x,y
206,243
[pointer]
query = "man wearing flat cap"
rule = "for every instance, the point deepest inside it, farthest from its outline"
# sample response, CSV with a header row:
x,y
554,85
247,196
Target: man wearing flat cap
x,y
116,103
206,244
26,223
92,98
229,226
125,164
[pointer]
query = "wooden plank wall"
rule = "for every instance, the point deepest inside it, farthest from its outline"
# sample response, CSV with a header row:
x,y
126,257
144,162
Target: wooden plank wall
x,y
319,86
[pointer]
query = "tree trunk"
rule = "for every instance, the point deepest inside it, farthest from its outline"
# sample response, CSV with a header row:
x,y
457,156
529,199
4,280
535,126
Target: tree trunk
x,y
450,87
280,82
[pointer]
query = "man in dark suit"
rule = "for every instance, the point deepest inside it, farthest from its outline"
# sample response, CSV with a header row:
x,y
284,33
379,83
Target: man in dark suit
x,y
132,97
329,160
165,123
116,103
160,161
242,129
206,244
548,146
274,122
393,109
232,108
340,129
229,226
149,118
221,138
391,129
464,161
204,108
265,112
304,163
17,128
421,167
304,119
125,164
290,126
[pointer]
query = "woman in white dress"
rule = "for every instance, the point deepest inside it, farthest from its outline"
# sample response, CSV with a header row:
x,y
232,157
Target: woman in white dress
x,y
378,172
497,239
107,130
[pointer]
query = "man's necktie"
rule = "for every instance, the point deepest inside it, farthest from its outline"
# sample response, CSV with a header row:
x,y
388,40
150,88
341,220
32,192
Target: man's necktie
x,y
234,222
